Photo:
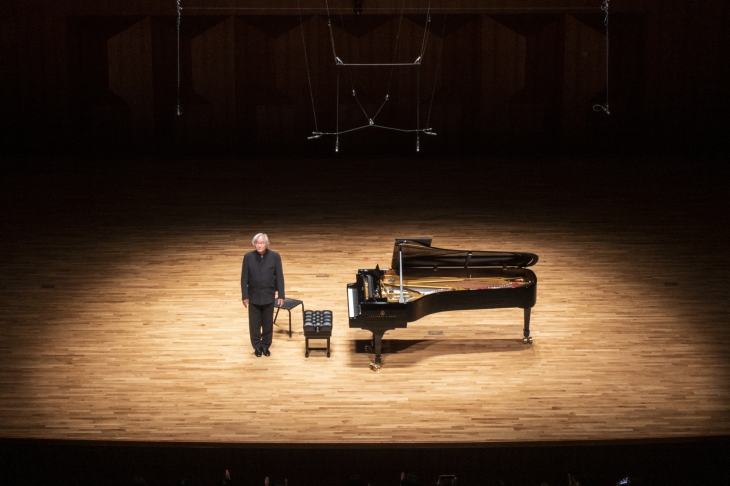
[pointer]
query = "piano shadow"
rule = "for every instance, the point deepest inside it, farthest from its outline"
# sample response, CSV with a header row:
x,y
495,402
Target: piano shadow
x,y
440,347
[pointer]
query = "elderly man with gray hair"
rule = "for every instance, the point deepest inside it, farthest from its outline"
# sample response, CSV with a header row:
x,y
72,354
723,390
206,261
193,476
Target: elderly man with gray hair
x,y
261,278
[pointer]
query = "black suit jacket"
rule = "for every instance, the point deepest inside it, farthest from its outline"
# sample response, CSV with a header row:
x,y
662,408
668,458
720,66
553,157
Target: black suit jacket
x,y
262,277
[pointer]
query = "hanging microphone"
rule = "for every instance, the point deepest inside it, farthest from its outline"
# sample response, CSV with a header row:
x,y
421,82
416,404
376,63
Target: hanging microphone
x,y
602,108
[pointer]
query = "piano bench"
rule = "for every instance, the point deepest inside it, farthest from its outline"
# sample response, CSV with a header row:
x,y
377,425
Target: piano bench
x,y
317,325
288,305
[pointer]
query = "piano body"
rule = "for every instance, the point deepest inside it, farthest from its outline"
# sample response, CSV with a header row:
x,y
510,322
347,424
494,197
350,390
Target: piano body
x,y
423,280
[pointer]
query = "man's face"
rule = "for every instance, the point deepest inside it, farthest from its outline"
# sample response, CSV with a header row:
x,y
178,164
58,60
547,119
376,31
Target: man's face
x,y
261,245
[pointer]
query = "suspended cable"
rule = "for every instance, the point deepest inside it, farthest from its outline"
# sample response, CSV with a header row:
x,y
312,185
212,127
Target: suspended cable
x,y
426,131
425,29
418,78
393,63
306,62
395,49
377,64
179,12
435,74
339,63
604,108
418,108
349,73
332,37
470,9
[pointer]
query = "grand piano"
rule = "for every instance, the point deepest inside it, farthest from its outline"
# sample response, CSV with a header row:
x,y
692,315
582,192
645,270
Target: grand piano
x,y
424,280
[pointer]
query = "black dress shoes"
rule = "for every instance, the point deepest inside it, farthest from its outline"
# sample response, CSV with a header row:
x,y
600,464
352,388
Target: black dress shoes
x,y
267,353
258,353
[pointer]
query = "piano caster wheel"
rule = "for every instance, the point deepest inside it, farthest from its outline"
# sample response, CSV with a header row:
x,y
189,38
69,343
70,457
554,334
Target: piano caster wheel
x,y
328,354
375,366
527,340
306,355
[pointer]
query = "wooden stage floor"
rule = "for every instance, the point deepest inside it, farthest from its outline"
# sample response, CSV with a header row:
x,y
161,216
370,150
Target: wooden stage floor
x,y
121,315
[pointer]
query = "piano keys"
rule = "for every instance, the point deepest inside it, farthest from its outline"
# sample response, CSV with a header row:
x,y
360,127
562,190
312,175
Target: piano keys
x,y
424,280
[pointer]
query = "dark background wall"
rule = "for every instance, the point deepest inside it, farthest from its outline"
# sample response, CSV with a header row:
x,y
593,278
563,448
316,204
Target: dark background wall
x,y
83,76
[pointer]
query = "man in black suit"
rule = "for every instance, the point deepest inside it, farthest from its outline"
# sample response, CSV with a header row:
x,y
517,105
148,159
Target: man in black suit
x,y
261,277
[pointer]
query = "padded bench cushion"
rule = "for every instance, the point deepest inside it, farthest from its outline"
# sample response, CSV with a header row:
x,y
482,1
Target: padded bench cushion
x,y
317,322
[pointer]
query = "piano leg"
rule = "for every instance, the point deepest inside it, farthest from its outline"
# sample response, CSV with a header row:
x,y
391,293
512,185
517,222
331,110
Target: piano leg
x,y
377,344
526,331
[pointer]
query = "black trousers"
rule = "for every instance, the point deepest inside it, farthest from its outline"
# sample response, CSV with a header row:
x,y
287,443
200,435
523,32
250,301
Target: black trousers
x,y
261,324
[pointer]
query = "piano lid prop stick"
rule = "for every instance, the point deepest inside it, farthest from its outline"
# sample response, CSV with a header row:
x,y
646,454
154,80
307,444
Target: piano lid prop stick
x,y
400,275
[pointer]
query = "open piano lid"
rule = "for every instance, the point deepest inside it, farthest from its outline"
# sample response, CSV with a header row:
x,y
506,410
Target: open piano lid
x,y
418,253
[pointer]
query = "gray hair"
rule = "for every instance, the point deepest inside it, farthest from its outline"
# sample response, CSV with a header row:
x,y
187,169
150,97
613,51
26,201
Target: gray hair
x,y
258,235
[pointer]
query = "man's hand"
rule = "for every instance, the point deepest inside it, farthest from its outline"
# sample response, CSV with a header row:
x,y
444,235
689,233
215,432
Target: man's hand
x,y
245,303
280,302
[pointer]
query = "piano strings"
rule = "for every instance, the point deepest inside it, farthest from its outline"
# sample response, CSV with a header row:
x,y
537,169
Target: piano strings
x,y
417,287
